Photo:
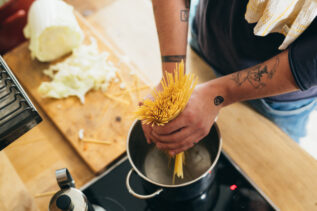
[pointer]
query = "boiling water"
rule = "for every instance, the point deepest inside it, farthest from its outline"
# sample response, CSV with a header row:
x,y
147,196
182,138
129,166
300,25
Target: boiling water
x,y
159,167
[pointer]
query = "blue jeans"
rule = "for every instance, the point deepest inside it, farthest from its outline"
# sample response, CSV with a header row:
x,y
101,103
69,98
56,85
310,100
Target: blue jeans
x,y
291,117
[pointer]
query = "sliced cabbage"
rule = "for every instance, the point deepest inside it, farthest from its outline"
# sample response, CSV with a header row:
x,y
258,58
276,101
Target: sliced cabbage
x,y
52,29
84,70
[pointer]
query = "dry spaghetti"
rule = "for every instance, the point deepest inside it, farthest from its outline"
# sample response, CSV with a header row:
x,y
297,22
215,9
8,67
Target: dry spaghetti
x,y
168,104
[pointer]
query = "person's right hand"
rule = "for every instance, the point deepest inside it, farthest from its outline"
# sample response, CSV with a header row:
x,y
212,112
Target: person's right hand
x,y
192,124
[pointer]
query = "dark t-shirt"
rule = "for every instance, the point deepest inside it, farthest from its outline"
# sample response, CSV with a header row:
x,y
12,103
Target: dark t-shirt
x,y
227,43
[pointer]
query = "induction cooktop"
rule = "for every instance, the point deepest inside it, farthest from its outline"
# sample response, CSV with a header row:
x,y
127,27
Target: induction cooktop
x,y
231,190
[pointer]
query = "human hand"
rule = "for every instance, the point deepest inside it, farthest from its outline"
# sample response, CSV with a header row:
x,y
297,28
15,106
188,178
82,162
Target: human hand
x,y
147,129
191,125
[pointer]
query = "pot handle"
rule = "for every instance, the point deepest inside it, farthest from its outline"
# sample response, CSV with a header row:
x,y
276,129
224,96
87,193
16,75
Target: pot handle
x,y
131,191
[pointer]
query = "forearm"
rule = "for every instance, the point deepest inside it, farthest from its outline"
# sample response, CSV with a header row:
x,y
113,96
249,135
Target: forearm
x,y
272,77
171,19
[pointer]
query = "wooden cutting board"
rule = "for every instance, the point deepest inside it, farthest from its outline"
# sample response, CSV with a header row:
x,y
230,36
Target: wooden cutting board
x,y
101,117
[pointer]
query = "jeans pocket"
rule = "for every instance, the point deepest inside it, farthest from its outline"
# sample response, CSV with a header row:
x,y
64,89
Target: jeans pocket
x,y
288,108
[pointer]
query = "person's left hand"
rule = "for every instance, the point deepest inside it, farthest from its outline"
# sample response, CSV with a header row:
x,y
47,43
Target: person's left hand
x,y
192,124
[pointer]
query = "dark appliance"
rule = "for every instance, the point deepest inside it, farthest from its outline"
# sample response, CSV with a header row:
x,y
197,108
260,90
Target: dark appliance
x,y
231,190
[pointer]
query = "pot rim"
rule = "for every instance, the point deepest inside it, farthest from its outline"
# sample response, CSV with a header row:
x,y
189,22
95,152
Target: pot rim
x,y
178,185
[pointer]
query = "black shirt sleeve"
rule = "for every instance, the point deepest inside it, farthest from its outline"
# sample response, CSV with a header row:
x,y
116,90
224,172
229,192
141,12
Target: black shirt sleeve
x,y
303,58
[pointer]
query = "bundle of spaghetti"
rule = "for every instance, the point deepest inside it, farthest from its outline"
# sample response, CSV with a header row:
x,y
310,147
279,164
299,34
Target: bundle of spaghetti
x,y
167,104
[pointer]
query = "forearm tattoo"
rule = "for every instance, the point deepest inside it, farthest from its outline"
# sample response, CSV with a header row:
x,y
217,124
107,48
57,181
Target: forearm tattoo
x,y
184,14
255,75
218,100
173,58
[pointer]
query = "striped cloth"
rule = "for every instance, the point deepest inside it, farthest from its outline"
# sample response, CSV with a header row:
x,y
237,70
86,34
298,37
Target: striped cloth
x,y
288,17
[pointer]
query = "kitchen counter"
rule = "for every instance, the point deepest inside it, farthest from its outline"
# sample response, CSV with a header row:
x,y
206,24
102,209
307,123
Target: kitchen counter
x,y
285,172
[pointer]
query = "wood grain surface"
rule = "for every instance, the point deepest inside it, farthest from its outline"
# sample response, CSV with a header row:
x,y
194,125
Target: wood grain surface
x,y
19,199
278,166
130,27
101,117
38,154
88,8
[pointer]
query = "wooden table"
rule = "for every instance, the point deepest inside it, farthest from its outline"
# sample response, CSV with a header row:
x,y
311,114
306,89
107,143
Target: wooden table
x,y
284,172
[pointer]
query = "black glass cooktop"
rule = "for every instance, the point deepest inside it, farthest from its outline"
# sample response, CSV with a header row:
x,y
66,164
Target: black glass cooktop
x,y
230,191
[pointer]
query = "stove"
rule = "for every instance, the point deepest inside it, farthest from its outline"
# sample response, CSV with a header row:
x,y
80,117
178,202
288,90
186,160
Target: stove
x,y
231,190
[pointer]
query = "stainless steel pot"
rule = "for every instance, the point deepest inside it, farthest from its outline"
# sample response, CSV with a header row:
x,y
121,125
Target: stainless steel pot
x,y
156,171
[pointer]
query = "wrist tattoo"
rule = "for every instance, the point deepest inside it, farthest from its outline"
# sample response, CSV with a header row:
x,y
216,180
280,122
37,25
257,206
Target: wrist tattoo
x,y
184,14
173,58
255,75
218,100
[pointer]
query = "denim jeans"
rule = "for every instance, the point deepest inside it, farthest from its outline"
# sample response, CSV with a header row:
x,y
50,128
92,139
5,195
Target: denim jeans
x,y
291,117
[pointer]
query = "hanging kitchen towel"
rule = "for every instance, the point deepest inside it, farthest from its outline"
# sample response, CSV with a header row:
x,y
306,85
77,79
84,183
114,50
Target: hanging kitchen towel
x,y
288,17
